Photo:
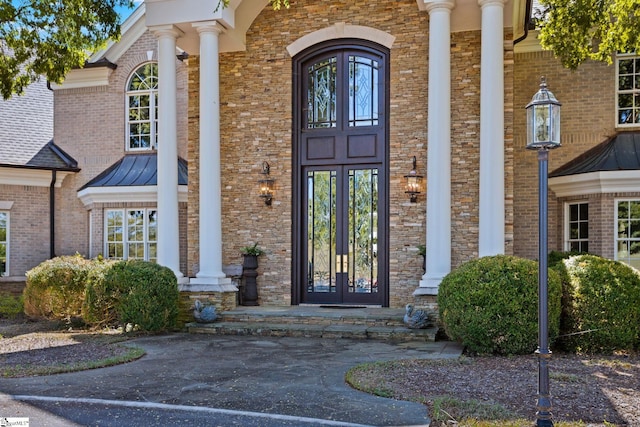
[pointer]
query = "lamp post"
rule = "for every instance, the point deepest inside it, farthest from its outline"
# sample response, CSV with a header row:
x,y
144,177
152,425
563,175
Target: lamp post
x,y
543,134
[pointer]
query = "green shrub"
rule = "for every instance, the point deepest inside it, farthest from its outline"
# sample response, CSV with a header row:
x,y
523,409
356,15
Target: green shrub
x,y
490,305
10,306
99,305
55,288
556,262
604,308
142,294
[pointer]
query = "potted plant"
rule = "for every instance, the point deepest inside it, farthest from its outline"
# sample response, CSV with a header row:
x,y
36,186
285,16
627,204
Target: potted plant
x,y
250,256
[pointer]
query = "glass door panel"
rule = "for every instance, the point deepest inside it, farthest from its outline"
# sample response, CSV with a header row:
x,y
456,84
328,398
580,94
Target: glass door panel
x,y
342,206
363,231
321,231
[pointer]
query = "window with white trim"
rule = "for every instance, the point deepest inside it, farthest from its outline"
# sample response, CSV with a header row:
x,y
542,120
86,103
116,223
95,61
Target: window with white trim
x,y
142,108
4,243
628,91
131,234
577,227
628,232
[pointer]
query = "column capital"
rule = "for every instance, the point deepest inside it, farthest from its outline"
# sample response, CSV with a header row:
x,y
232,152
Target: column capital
x,y
208,27
169,30
483,3
431,5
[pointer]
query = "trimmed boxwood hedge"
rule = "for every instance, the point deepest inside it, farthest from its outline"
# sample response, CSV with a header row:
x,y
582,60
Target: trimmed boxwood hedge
x,y
603,305
144,294
490,305
55,288
98,292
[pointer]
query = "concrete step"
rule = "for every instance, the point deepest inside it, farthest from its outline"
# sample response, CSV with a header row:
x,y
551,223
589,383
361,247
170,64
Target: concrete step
x,y
316,322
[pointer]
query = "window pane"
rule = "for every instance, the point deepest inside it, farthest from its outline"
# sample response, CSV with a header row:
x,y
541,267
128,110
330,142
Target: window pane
x,y
573,212
363,91
625,66
584,211
573,231
142,106
623,250
623,210
584,230
321,95
625,82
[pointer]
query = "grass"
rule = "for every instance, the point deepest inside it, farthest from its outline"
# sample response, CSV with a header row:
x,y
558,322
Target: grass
x,y
132,353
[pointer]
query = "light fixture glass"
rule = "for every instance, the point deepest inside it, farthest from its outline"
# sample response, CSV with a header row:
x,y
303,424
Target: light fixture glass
x,y
266,184
413,183
543,119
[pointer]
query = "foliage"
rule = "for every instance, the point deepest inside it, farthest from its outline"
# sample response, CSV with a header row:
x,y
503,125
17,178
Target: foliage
x,y
100,301
55,288
49,38
422,250
276,4
490,305
254,250
10,306
555,260
604,307
144,294
591,29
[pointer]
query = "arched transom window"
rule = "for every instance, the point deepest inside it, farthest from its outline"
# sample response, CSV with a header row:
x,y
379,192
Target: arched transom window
x,y
142,108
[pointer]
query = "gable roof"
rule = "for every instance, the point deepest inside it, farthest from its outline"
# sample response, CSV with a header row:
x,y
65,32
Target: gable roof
x,y
619,152
134,170
26,131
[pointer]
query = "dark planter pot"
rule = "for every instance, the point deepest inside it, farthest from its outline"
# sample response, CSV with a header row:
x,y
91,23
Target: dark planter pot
x,y
249,274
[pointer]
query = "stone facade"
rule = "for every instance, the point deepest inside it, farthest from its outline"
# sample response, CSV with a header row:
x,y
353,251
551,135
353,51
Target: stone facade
x,y
256,121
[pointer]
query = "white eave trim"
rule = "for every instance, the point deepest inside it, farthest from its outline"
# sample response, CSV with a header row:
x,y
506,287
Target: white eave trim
x,y
627,181
85,77
134,194
131,30
31,177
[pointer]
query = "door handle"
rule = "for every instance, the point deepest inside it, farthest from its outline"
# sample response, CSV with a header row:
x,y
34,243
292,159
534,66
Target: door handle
x,y
342,263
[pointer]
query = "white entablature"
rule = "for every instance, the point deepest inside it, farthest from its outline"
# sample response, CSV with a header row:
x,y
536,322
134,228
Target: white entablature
x,y
240,14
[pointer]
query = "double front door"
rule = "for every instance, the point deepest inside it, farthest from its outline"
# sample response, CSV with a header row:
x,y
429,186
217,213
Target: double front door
x,y
342,234
341,176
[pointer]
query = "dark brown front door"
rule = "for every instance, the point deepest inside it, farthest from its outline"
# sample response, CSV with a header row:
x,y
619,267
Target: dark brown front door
x,y
341,153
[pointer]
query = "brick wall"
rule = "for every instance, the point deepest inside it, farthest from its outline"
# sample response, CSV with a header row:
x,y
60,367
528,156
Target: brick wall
x,y
89,124
587,119
29,231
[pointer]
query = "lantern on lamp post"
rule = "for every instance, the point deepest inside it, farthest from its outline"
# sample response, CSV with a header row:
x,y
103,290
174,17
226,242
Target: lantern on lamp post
x,y
543,134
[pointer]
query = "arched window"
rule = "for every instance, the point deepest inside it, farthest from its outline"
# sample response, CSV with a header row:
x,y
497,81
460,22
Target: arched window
x,y
142,108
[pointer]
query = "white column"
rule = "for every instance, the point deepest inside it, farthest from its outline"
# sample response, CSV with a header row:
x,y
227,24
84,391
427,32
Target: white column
x,y
438,238
210,277
168,224
491,227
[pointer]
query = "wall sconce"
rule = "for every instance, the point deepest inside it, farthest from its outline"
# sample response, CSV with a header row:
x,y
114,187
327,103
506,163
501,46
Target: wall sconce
x,y
266,184
413,183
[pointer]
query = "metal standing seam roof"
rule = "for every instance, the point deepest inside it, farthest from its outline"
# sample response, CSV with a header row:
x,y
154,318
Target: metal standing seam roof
x,y
619,152
135,170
